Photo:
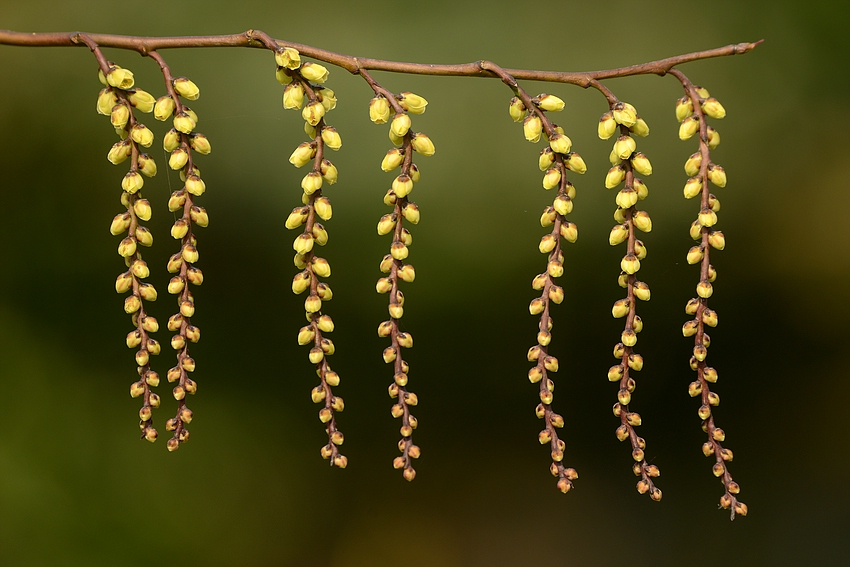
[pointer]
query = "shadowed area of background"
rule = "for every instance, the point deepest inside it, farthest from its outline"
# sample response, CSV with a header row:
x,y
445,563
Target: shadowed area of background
x,y
78,488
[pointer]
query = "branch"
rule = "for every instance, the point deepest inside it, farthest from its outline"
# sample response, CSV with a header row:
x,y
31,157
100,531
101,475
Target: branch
x,y
258,39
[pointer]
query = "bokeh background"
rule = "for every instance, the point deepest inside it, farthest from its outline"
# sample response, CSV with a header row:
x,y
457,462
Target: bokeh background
x,y
77,487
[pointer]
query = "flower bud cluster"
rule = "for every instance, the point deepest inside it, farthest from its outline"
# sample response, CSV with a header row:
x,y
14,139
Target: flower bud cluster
x,y
396,110
555,160
119,100
622,120
183,143
304,85
692,111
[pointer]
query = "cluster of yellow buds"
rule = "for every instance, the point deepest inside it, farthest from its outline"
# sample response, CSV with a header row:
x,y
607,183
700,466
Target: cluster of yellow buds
x,y
623,120
304,83
396,111
555,160
183,142
118,100
692,110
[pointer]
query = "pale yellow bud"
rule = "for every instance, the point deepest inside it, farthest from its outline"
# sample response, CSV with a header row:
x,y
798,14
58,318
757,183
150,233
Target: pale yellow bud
x,y
119,116
713,138
411,212
320,235
695,255
630,264
120,78
563,205
178,159
200,144
313,113
329,172
717,175
186,88
548,217
303,154
684,108
607,126
314,72
402,186
641,189
626,198
413,103
532,128
132,182
552,179
560,143
704,290
386,225
620,308
392,160
569,231
547,158
311,182
615,176
692,166
379,110
693,187
713,108
547,243
142,135
328,99
171,140
301,282
331,138
400,125
147,166
313,303
717,240
288,57
119,152
321,267
323,208
516,109
707,217
303,243
574,162
293,96
422,144
642,221
106,100
642,292
184,122
641,164
640,128
624,146
618,235
688,127
625,114
550,103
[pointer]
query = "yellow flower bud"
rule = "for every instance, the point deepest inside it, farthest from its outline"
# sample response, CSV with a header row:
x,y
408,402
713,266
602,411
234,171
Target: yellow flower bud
x,y
629,338
693,187
717,240
552,179
620,308
132,182
288,57
641,291
563,205
618,235
313,303
569,231
400,125
555,269
713,108
303,243
329,172
625,114
695,255
607,126
313,113
142,100
142,135
560,143
640,128
178,160
548,217
314,72
186,88
641,189
323,208
574,162
386,225
707,217
704,290
517,110
692,166
392,160
190,254
171,140
311,182
717,175
120,78
119,152
407,273
119,116
411,212
642,221
713,138
200,144
379,110
547,158
547,243
413,103
615,176
422,144
624,146
106,100
688,127
303,154
532,128
183,122
550,103
321,267
402,186
630,264
684,108
331,138
386,264
147,165
641,164
293,96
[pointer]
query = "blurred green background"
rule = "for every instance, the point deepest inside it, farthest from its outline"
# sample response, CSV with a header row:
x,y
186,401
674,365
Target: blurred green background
x,y
77,487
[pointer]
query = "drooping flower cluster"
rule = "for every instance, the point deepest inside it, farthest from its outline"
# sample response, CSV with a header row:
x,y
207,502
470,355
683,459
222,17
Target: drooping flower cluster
x,y
304,83
183,142
555,160
119,100
625,160
691,111
396,110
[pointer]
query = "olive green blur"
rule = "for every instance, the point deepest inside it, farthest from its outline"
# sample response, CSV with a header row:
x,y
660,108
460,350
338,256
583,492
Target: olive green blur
x,y
79,488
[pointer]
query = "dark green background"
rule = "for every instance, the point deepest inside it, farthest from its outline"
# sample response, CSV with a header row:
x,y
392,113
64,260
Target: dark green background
x,y
78,488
